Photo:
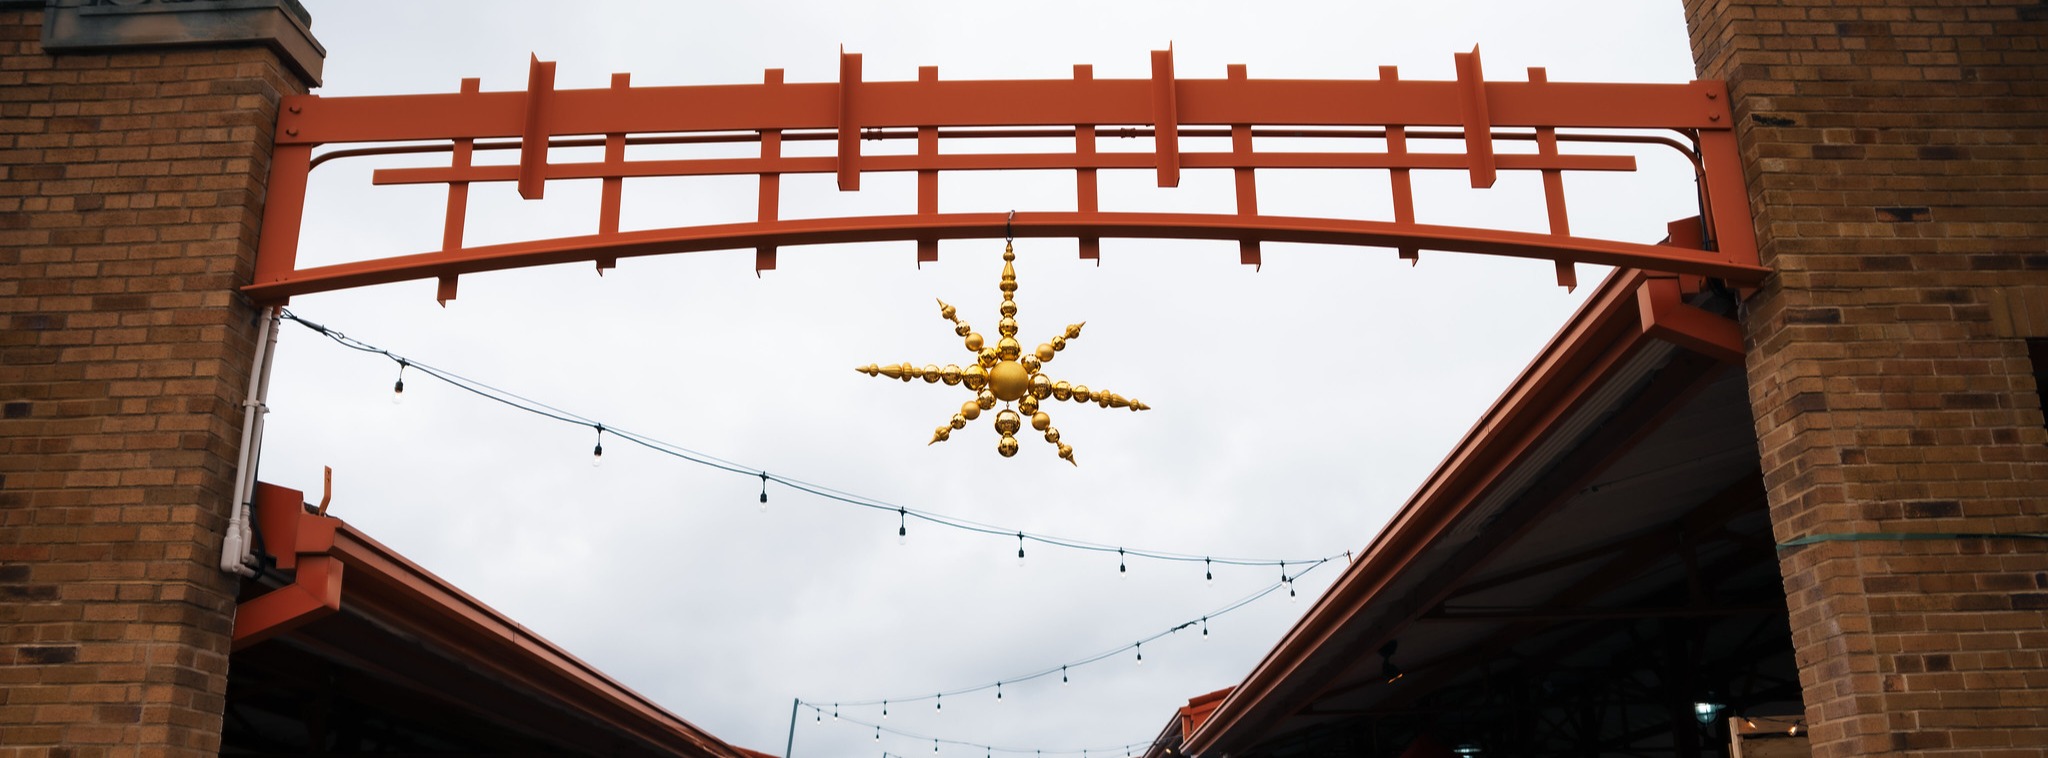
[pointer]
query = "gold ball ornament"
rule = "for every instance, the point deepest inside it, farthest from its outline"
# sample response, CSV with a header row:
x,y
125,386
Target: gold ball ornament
x,y
1008,422
1009,381
1005,375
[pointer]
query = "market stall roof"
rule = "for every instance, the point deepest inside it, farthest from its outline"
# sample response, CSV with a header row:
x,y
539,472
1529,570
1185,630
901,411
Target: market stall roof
x,y
1613,487
347,646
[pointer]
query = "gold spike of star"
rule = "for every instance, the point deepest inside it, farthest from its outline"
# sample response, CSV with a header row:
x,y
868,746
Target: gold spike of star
x,y
1004,373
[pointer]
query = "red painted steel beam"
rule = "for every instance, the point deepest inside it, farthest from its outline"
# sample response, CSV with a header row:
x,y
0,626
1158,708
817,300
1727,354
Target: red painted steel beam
x,y
1472,96
992,226
850,110
533,140
1053,102
298,542
996,162
1666,316
1165,118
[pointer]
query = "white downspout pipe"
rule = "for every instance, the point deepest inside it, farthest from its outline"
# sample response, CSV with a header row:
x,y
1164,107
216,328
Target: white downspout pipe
x,y
238,549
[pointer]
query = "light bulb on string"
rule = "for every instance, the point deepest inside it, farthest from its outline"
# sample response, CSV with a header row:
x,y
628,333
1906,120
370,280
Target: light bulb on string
x,y
999,692
902,527
597,453
1020,550
764,492
835,711
1208,572
1141,652
1121,571
820,715
1205,627
939,702
398,387
1063,676
935,744
878,734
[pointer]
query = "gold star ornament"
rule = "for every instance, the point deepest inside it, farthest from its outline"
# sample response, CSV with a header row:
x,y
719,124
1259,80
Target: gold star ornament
x,y
1004,373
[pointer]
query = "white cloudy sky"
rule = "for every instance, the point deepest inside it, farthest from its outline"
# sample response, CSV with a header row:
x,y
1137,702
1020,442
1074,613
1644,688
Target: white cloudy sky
x,y
1295,408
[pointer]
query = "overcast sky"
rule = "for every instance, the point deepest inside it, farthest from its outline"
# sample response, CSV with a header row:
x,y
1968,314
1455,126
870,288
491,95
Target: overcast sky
x,y
1294,408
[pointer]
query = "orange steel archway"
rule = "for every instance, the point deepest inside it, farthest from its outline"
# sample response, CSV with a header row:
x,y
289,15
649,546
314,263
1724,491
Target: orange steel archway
x,y
1382,117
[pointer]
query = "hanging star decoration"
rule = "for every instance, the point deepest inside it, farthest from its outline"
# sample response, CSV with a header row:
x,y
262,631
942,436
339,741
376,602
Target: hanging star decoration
x,y
1004,373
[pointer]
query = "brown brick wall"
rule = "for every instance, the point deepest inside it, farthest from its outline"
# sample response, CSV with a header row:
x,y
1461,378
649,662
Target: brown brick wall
x,y
1897,157
130,189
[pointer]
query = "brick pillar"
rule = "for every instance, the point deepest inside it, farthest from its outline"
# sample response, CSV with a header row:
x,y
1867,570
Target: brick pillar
x,y
132,165
1896,153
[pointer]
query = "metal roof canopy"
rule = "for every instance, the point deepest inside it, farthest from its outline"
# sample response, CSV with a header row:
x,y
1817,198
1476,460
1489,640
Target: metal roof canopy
x,y
1593,559
356,649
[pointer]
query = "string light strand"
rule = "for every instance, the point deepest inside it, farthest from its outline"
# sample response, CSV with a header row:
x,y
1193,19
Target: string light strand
x,y
544,410
988,748
1201,623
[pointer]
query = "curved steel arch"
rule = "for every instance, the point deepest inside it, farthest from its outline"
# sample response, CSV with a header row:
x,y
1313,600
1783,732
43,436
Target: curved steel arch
x,y
1383,116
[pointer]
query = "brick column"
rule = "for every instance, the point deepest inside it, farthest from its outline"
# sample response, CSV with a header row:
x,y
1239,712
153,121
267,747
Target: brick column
x,y
131,186
1897,160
